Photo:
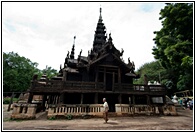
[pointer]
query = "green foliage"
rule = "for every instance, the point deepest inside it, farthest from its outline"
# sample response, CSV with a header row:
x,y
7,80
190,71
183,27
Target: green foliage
x,y
16,119
52,118
17,72
50,72
69,116
174,44
7,119
154,72
6,100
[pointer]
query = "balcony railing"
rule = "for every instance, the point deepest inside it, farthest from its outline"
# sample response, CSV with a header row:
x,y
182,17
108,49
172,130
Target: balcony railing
x,y
68,85
53,85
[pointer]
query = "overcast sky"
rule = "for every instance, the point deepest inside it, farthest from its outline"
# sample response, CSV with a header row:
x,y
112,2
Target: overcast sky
x,y
44,31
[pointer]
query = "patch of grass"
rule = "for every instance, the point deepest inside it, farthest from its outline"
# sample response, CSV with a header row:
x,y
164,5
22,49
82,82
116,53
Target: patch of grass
x,y
6,119
52,118
6,100
17,120
69,116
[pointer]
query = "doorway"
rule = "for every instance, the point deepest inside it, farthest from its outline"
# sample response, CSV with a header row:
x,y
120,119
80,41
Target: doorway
x,y
109,82
111,99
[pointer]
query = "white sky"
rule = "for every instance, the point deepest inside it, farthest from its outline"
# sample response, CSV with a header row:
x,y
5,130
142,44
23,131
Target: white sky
x,y
44,31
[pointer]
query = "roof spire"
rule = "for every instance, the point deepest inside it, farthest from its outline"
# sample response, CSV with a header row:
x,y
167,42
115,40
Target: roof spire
x,y
99,37
110,38
74,40
100,17
72,51
100,11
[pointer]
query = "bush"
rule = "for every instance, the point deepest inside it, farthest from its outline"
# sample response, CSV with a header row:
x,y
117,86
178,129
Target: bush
x,y
52,118
69,116
6,100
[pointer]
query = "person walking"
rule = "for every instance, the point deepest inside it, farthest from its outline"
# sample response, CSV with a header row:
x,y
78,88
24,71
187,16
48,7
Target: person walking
x,y
105,110
184,103
191,104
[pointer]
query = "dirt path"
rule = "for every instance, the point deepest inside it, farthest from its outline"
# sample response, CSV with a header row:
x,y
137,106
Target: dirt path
x,y
184,121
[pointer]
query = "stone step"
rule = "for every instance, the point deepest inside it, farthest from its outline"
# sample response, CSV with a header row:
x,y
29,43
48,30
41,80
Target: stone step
x,y
41,115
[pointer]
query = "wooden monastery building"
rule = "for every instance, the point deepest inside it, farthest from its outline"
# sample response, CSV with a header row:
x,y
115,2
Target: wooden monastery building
x,y
86,80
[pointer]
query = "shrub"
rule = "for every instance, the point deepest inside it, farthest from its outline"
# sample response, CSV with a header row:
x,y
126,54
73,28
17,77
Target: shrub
x,y
6,100
52,118
69,116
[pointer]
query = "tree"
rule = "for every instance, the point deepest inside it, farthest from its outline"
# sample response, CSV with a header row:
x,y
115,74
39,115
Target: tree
x,y
17,72
50,72
154,72
174,44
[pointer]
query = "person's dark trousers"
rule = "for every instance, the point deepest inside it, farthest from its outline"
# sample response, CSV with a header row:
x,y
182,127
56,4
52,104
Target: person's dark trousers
x,y
191,107
105,116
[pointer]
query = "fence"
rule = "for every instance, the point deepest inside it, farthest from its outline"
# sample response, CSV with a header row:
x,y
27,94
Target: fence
x,y
91,109
136,109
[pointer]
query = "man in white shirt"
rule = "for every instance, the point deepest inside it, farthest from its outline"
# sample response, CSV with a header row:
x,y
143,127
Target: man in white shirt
x,y
105,110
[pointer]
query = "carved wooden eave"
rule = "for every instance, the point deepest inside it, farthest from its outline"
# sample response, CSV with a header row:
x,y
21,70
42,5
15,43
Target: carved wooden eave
x,y
74,61
119,62
71,70
124,65
84,59
110,44
97,60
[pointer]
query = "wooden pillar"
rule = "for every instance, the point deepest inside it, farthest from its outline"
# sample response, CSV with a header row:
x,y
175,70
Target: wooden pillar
x,y
119,78
61,99
96,77
30,98
130,101
64,75
50,99
82,97
96,98
104,78
119,75
58,99
97,74
120,98
43,102
53,99
113,81
148,99
164,99
133,99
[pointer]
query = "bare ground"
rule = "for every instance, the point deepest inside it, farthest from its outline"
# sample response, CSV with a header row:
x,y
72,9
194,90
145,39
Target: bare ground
x,y
184,122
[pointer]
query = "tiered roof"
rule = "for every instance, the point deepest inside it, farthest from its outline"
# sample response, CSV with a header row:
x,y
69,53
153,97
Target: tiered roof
x,y
102,47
